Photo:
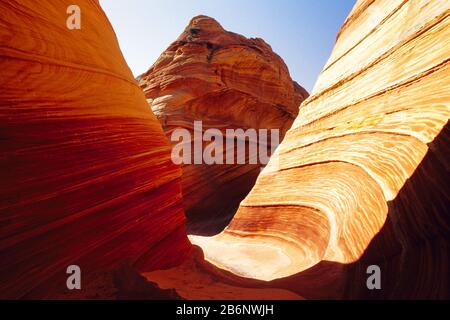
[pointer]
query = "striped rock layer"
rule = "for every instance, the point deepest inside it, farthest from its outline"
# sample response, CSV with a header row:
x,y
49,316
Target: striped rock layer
x,y
362,175
228,82
86,173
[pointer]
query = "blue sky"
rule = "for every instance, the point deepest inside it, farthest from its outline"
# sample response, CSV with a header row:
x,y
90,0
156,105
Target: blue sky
x,y
302,32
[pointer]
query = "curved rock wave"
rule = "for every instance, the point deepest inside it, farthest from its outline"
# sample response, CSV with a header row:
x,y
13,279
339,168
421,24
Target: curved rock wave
x,y
359,178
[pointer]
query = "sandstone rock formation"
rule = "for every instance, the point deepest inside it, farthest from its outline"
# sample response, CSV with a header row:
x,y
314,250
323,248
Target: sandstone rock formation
x,y
363,172
360,179
86,173
228,82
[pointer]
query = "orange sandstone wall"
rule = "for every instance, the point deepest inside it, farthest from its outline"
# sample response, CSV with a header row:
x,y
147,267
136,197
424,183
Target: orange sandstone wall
x,y
362,175
86,174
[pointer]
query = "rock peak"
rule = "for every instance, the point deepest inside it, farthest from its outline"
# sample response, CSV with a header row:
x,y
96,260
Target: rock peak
x,y
204,23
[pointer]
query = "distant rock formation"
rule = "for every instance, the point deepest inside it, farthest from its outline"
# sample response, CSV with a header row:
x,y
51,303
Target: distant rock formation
x,y
86,173
227,81
363,172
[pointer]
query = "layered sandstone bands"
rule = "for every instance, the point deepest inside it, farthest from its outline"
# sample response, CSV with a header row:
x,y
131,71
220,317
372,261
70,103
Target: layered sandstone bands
x,y
360,178
87,177
361,175
228,82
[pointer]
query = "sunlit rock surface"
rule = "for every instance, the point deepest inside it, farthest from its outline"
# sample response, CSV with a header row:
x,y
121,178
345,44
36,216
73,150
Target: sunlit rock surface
x,y
228,82
86,173
361,178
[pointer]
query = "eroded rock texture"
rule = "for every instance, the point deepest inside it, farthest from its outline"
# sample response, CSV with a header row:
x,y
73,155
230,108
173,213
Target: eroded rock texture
x,y
226,81
363,172
86,174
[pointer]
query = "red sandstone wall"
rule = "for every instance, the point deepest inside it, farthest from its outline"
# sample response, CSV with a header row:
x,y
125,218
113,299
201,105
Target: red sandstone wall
x,y
86,174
